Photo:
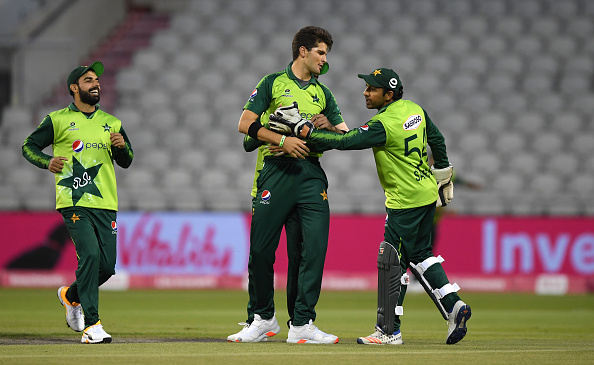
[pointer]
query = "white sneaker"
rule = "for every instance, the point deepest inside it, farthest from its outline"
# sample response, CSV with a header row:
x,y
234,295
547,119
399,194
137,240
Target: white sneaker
x,y
257,331
95,334
309,333
457,322
380,338
74,314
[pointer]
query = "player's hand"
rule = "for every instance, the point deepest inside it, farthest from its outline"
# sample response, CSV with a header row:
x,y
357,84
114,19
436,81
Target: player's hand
x,y
117,140
320,121
445,186
56,164
302,128
295,147
276,150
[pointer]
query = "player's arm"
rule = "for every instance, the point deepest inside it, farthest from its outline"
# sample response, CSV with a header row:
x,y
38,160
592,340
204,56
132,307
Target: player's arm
x,y
437,143
369,135
251,126
34,144
250,144
121,149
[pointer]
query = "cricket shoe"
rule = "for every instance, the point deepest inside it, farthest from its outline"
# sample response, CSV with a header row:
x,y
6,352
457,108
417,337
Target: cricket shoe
x,y
309,333
380,338
457,322
95,334
257,331
74,314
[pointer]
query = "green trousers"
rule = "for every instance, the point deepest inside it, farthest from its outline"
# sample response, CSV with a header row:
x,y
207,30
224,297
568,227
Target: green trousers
x,y
94,234
288,189
409,230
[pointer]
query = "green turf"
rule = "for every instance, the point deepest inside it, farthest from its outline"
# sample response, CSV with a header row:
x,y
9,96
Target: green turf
x,y
189,327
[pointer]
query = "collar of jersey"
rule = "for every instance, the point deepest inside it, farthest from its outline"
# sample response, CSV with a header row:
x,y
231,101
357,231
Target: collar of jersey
x,y
292,76
383,108
75,109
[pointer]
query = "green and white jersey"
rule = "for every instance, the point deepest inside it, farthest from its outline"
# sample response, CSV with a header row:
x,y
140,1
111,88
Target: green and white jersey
x,y
88,177
398,135
282,89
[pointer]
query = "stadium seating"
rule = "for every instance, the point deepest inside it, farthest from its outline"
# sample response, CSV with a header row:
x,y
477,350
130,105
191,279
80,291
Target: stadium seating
x,y
509,83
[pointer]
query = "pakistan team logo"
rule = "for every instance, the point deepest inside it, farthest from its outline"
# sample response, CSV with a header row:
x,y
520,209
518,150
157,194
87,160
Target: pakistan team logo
x,y
81,181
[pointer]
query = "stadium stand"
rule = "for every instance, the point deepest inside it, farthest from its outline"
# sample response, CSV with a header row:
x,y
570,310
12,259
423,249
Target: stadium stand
x,y
508,82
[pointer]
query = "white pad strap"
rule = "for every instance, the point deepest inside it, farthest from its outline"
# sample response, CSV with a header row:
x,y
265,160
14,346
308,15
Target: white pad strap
x,y
445,290
399,310
426,264
404,279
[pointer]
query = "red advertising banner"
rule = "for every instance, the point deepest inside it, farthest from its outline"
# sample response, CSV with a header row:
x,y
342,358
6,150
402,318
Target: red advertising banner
x,y
210,250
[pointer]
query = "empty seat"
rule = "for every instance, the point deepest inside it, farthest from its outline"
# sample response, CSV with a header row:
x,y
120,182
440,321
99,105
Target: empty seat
x,y
546,184
188,61
525,164
537,83
147,61
474,64
527,46
138,176
178,140
508,183
463,84
164,120
548,103
511,64
566,123
576,83
526,8
131,118
509,143
579,28
154,99
582,103
547,143
440,65
166,41
486,164
155,159
529,122
177,178
421,45
194,159
564,205
500,83
583,144
174,81
581,64
582,184
562,46
471,142
493,122
563,165
544,27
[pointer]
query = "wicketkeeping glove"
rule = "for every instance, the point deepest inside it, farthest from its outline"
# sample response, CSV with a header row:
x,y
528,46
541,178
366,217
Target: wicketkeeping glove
x,y
445,186
287,120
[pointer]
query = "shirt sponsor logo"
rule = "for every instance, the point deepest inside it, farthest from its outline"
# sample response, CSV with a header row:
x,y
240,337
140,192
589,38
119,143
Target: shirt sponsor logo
x,y
78,145
413,122
265,199
114,227
287,94
72,127
363,128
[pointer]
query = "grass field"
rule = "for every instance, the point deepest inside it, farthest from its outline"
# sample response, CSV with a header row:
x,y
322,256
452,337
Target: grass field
x,y
190,327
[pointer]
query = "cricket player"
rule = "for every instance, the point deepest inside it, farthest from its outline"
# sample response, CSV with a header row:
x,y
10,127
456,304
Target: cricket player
x,y
398,135
293,183
85,141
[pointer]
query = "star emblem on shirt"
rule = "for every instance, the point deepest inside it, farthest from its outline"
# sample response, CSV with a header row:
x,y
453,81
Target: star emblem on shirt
x,y
324,195
106,128
376,72
74,218
81,181
315,98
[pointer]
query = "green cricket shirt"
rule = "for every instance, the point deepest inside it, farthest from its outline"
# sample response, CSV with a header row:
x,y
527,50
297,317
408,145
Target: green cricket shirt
x,y
398,135
88,177
282,89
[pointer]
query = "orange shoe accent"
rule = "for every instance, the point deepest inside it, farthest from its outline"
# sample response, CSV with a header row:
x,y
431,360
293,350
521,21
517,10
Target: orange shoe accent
x,y
302,341
98,322
63,295
336,340
270,334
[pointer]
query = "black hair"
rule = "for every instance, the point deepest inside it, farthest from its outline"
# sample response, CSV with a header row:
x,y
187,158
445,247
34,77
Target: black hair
x,y
309,37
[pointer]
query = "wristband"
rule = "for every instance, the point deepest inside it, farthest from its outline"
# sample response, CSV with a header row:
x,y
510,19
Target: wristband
x,y
282,141
254,128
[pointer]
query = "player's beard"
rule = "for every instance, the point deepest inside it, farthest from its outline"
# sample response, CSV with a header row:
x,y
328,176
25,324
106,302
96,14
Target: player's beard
x,y
87,98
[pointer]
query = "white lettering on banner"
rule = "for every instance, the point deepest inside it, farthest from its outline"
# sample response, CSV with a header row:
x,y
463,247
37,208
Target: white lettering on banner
x,y
509,252
167,243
